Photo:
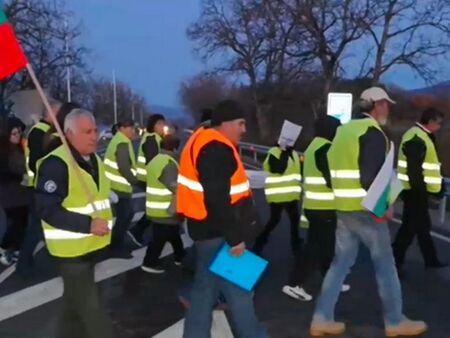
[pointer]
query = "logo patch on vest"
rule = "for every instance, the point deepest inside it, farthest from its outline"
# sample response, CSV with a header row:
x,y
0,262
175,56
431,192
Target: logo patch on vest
x,y
50,186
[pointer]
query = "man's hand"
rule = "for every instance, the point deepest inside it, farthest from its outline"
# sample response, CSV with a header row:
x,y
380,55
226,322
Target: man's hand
x,y
389,213
99,227
237,250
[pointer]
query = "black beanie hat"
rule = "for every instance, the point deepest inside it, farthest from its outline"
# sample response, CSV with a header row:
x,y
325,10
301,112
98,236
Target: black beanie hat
x,y
227,110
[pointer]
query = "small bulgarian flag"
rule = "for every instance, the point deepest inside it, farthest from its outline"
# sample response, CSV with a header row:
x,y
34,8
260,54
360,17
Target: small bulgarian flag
x,y
12,58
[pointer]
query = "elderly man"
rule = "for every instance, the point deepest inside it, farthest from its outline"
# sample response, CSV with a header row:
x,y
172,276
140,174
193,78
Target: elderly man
x,y
355,158
77,221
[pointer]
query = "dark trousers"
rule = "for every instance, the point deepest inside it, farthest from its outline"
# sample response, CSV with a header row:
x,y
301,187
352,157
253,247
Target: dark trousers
x,y
319,249
141,226
292,208
17,219
82,315
33,236
415,222
124,215
163,233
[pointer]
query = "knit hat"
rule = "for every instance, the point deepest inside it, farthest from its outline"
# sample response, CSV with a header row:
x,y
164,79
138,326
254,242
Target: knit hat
x,y
227,110
126,122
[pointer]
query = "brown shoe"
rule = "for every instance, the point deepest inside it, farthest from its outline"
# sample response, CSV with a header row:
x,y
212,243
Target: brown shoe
x,y
406,328
319,329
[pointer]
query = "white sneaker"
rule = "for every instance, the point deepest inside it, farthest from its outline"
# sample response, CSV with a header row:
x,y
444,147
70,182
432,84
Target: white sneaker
x,y
153,269
345,288
297,293
5,258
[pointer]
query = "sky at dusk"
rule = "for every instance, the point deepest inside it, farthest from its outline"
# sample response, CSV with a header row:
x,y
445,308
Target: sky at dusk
x,y
145,42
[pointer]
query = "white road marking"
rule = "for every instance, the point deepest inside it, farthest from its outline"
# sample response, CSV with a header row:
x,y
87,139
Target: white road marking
x,y
26,299
220,328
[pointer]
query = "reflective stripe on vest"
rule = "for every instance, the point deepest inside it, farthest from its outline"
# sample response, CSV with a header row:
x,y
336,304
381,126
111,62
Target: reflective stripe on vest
x,y
118,182
64,243
431,167
317,196
190,198
343,159
286,187
141,162
158,197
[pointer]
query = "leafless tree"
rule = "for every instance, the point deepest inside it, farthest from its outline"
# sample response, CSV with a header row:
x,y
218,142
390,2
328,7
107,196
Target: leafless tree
x,y
412,33
253,37
202,91
329,27
46,32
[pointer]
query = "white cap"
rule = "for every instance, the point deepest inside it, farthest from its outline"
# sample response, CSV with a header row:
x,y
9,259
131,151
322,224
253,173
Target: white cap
x,y
375,94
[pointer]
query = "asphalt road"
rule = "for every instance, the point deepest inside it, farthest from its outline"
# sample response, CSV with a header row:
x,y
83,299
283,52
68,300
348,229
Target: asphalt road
x,y
143,305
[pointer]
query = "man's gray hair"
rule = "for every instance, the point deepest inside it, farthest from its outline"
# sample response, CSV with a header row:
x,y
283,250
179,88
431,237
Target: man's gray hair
x,y
71,118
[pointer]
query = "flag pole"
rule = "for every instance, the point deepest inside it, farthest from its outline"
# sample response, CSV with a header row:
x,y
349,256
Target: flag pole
x,y
68,70
115,96
61,135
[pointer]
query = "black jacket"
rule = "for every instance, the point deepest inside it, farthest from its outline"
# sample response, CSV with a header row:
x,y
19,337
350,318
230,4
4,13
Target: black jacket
x,y
36,146
278,166
236,223
372,154
12,170
150,149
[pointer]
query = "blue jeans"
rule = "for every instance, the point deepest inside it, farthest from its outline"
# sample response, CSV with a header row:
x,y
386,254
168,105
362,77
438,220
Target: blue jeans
x,y
355,228
204,293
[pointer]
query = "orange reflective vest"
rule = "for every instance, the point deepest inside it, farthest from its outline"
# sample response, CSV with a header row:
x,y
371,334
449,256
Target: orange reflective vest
x,y
190,197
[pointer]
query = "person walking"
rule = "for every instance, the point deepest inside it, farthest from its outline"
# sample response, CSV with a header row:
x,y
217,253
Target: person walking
x,y
76,227
214,195
14,197
355,158
34,150
282,191
319,210
149,147
121,170
162,173
419,170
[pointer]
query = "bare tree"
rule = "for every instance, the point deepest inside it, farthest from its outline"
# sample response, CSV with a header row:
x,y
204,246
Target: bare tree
x,y
45,30
412,33
202,91
330,27
253,37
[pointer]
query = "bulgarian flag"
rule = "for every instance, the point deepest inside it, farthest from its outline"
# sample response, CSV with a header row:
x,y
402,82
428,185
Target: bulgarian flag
x,y
12,58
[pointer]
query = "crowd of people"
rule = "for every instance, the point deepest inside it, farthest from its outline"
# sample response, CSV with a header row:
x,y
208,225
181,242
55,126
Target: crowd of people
x,y
69,197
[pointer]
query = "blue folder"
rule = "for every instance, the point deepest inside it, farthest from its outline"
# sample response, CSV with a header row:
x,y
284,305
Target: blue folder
x,y
243,271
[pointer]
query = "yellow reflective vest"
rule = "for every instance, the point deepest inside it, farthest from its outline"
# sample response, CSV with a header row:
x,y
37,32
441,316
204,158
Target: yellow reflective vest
x,y
63,243
431,166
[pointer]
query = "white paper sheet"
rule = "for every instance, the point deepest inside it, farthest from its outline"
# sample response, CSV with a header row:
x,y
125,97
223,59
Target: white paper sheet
x,y
289,133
